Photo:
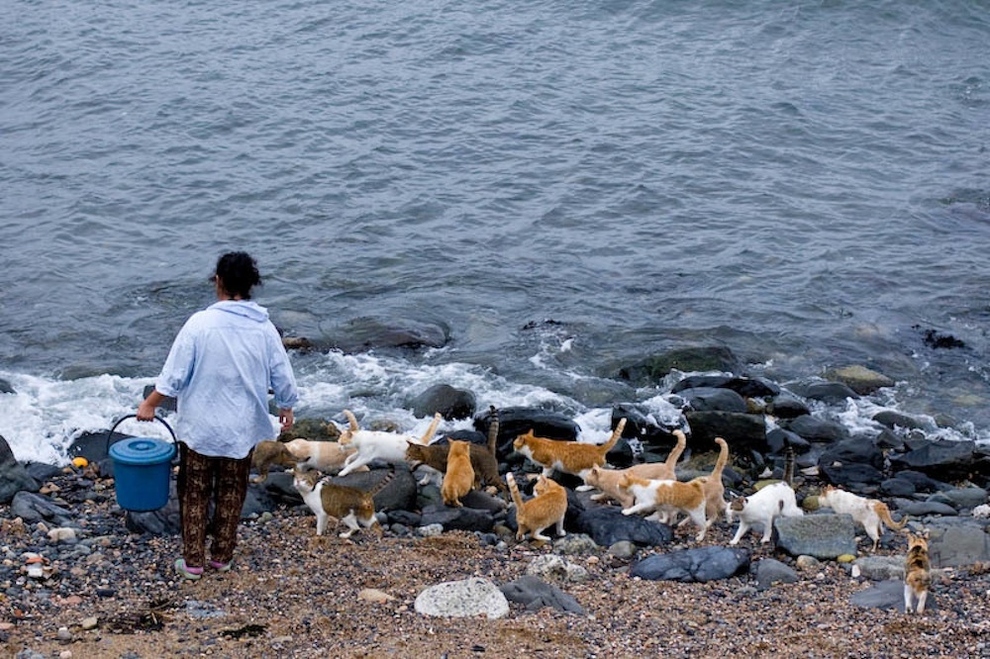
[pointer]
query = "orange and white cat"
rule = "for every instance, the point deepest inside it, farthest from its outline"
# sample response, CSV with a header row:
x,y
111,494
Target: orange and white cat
x,y
372,445
575,458
607,480
663,496
715,505
871,514
547,508
917,573
459,477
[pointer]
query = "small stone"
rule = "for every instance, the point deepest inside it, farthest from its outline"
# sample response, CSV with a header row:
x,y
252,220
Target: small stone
x,y
65,654
846,558
375,595
63,634
89,623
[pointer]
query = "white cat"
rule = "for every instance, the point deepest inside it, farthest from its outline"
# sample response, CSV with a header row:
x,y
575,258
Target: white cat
x,y
373,445
772,501
869,513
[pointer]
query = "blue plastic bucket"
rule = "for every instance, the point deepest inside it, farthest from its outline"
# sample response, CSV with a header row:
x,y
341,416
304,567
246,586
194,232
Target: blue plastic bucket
x,y
142,468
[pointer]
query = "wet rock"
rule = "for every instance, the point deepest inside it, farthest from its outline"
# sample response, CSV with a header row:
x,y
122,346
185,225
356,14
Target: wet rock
x,y
449,401
461,519
711,399
655,368
514,421
860,379
34,508
831,393
944,460
815,429
14,477
747,431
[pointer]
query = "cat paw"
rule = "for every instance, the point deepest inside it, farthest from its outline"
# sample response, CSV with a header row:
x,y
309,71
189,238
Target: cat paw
x,y
584,488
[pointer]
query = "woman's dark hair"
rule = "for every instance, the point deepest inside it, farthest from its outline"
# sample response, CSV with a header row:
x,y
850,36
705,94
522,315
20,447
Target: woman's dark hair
x,y
239,274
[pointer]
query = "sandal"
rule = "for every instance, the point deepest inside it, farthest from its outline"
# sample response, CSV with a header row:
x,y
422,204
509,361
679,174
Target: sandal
x,y
191,573
220,567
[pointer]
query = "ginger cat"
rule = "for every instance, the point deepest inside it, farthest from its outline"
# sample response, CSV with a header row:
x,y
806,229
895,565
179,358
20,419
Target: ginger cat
x,y
354,507
661,496
871,514
483,459
459,477
575,458
917,573
772,501
713,487
547,508
372,445
607,480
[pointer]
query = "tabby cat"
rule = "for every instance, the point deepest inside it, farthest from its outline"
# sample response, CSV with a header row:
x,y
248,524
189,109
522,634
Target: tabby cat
x,y
575,458
483,459
547,508
871,514
917,573
459,477
353,507
607,480
663,496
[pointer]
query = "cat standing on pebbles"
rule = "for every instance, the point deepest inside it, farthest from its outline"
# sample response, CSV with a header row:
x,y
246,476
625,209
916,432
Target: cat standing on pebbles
x,y
354,507
547,508
917,573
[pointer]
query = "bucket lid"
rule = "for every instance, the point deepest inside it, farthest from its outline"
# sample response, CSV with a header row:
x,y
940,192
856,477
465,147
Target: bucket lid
x,y
142,450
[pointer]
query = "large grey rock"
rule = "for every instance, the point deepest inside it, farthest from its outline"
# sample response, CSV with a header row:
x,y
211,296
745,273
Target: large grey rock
x,y
957,542
888,595
946,460
820,535
966,497
713,399
693,565
463,599
815,429
881,568
535,594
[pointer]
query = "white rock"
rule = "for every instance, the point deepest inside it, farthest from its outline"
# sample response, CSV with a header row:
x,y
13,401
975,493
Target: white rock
x,y
460,599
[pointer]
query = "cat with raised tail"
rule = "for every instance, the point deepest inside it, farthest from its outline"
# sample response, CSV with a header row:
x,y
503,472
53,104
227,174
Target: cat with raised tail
x,y
770,502
340,503
607,480
917,573
372,445
547,508
712,486
662,497
871,514
459,477
483,459
575,458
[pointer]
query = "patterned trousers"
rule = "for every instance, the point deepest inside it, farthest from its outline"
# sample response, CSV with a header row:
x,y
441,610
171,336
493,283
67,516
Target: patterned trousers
x,y
203,479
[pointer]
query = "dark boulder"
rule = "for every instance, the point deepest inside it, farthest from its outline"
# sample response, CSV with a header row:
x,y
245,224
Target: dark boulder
x,y
693,565
450,402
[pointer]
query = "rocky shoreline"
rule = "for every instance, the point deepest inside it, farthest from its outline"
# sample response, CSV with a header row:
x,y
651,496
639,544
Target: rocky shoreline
x,y
81,577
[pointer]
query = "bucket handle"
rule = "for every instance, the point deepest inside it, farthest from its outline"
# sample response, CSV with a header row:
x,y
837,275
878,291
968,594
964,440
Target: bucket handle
x,y
134,416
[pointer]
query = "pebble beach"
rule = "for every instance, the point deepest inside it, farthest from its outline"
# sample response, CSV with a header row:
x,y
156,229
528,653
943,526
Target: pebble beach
x,y
105,592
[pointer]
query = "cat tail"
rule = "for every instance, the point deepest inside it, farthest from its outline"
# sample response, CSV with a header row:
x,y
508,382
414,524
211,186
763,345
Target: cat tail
x,y
884,513
789,466
383,483
428,435
723,457
514,490
352,420
616,434
675,453
493,429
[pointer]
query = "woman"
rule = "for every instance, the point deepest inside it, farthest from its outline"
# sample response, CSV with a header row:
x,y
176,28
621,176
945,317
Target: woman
x,y
220,369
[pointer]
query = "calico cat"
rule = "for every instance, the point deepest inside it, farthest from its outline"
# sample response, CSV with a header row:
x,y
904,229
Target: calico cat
x,y
372,445
575,458
322,455
459,477
772,501
869,513
483,459
607,480
917,573
663,496
547,508
354,507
